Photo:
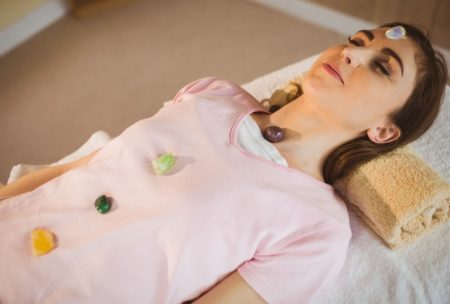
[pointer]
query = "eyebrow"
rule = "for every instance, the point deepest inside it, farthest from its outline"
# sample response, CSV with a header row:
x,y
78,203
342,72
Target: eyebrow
x,y
387,51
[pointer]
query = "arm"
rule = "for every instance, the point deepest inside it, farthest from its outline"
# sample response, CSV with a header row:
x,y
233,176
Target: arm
x,y
34,179
232,289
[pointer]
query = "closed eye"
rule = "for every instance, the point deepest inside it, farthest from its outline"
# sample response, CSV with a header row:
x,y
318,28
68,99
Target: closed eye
x,y
377,64
382,68
357,42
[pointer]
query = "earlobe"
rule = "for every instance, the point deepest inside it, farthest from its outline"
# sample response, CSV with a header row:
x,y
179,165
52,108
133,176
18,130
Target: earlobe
x,y
383,135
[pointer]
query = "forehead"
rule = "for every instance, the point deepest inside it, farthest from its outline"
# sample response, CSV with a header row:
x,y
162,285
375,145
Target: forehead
x,y
405,48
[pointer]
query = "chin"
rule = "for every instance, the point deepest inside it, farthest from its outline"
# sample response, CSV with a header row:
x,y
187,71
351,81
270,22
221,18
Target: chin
x,y
325,96
314,84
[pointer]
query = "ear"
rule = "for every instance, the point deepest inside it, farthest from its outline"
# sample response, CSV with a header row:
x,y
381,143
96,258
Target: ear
x,y
383,134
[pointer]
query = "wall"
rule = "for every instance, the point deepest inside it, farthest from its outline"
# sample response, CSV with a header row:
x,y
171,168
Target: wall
x,y
434,15
13,10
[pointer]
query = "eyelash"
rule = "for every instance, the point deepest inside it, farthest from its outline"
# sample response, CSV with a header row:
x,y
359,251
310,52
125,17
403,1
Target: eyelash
x,y
377,63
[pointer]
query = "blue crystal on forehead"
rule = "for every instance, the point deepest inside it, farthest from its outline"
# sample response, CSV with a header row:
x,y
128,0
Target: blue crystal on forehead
x,y
396,32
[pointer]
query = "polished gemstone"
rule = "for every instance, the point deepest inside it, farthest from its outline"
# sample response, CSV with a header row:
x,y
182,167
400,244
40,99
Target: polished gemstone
x,y
42,241
163,163
396,32
103,204
273,134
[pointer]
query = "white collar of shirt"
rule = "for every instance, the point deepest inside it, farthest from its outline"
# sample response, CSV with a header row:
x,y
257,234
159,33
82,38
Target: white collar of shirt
x,y
251,139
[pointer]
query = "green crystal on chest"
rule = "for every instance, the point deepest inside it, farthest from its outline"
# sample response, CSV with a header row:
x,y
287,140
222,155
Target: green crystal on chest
x,y
102,204
163,163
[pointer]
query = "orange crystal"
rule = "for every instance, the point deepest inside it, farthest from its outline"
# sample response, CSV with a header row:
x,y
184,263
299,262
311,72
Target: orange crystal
x,y
42,241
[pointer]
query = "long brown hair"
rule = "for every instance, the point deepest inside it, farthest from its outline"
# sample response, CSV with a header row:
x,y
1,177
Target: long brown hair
x,y
414,118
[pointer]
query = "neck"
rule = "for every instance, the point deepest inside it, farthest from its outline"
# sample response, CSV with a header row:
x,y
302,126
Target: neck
x,y
310,135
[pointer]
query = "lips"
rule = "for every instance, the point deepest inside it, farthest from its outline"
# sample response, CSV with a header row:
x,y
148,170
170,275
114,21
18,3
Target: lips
x,y
333,70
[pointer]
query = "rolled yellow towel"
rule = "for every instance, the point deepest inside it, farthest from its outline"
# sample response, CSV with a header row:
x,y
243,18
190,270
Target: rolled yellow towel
x,y
398,195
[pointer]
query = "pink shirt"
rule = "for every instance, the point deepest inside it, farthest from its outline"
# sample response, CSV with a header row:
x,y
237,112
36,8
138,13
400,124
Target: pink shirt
x,y
170,238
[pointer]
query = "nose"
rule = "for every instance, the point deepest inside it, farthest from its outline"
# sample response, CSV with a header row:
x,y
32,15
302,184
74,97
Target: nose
x,y
355,56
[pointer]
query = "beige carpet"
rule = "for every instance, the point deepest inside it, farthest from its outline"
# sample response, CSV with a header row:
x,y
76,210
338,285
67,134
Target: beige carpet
x,y
112,69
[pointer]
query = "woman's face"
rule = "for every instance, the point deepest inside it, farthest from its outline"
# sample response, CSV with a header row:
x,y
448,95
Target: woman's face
x,y
377,75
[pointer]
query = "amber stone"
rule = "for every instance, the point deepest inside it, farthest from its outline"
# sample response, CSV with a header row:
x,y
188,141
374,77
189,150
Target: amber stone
x,y
103,204
42,241
273,134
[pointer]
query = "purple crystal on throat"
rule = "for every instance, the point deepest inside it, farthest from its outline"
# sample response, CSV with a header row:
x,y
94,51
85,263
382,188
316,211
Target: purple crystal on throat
x,y
273,134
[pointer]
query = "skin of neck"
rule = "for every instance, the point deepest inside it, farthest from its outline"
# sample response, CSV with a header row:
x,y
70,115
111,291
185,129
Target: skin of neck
x,y
310,134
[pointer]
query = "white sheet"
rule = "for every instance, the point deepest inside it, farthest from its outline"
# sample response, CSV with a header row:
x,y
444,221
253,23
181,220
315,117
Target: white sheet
x,y
373,273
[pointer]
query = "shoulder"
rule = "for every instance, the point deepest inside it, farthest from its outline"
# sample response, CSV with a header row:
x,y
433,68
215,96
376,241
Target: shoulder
x,y
212,86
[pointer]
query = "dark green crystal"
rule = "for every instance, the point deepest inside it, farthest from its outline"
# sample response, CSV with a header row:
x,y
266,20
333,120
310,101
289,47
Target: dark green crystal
x,y
103,204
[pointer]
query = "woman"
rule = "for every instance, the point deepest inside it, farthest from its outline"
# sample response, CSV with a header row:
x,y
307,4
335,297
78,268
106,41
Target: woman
x,y
237,219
